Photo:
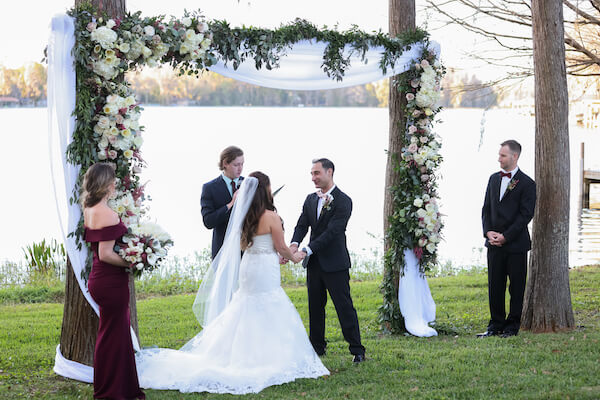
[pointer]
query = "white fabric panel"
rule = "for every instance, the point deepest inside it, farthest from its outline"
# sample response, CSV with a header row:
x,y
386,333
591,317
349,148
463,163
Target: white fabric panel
x,y
300,68
416,304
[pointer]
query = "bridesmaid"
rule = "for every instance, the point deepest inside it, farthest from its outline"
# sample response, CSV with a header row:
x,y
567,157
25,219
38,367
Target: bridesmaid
x,y
115,374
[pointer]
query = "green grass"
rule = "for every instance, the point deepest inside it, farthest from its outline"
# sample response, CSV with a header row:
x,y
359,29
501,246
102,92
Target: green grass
x,y
451,366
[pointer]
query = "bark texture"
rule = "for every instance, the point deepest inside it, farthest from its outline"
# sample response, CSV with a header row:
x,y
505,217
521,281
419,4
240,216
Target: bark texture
x,y
547,304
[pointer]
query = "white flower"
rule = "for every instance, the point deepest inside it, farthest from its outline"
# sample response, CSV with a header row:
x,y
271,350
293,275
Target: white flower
x,y
186,21
146,52
126,133
430,247
104,36
183,49
140,266
423,139
412,148
422,242
110,23
152,258
128,153
138,141
124,47
149,30
104,69
412,129
418,202
104,122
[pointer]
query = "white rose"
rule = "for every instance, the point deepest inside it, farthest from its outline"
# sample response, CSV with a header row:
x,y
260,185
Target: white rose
x,y
138,141
430,247
146,52
104,36
186,21
152,259
126,133
124,47
184,49
140,266
422,242
149,30
418,202
110,23
128,153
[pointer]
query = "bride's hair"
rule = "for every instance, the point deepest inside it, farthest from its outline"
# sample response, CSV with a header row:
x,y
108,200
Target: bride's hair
x,y
262,201
96,183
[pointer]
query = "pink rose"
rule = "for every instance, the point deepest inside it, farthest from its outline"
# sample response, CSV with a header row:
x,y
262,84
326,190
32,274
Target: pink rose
x,y
424,178
91,26
119,119
423,170
415,83
416,113
410,96
412,129
424,63
112,139
413,148
112,154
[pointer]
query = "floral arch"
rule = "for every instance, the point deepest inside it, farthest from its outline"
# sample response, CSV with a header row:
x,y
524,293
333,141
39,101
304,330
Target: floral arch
x,y
105,122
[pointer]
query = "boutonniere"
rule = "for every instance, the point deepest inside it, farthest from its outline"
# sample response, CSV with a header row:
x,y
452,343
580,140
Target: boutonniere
x,y
511,185
327,202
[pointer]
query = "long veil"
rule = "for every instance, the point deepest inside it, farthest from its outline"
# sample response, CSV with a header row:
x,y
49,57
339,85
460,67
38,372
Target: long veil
x,y
221,280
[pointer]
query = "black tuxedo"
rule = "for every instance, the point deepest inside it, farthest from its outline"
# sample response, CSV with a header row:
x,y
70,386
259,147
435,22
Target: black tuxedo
x,y
215,215
328,268
508,216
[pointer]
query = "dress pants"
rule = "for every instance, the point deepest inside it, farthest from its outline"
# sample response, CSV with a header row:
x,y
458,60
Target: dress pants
x,y
337,284
502,264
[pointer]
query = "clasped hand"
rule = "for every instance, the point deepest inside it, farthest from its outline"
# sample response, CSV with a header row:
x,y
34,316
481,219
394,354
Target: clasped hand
x,y
297,255
496,238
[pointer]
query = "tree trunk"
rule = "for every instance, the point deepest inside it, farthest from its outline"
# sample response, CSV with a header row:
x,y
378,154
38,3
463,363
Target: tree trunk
x,y
112,8
547,306
80,323
401,18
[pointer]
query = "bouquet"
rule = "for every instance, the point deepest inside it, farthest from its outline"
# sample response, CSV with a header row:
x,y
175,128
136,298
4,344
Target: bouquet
x,y
145,246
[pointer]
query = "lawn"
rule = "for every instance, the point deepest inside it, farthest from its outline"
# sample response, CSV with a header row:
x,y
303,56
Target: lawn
x,y
454,365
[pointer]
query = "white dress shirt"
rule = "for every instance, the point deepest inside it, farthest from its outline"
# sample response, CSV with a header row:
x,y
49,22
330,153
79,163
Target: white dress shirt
x,y
319,209
506,180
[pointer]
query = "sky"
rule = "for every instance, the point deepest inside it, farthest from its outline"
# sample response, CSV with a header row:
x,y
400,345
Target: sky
x,y
24,23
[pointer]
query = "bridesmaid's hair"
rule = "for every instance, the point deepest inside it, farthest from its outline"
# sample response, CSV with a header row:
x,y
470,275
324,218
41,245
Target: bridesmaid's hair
x,y
262,201
228,155
96,183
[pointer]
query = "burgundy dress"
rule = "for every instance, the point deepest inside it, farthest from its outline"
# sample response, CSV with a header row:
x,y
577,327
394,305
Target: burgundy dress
x,y
115,374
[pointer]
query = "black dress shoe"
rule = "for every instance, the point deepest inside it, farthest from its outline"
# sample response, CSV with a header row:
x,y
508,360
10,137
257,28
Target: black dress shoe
x,y
508,334
488,334
358,358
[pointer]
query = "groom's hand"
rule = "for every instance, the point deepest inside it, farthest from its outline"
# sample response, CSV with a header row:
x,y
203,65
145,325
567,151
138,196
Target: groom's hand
x,y
294,247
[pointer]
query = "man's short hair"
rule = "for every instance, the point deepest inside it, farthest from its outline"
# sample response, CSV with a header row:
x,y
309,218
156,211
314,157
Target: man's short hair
x,y
326,163
513,145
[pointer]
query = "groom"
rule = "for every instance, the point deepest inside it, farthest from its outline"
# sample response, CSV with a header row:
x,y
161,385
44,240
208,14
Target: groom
x,y
219,195
327,260
508,207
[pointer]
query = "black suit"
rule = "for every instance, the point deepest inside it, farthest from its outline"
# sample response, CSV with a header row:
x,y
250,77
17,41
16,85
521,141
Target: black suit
x,y
215,214
328,268
509,216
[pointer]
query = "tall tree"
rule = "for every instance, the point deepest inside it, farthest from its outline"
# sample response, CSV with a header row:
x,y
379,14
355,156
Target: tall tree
x,y
80,323
402,17
547,305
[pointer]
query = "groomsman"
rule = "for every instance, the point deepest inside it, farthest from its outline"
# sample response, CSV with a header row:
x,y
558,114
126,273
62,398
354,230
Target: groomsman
x,y
219,195
327,261
508,207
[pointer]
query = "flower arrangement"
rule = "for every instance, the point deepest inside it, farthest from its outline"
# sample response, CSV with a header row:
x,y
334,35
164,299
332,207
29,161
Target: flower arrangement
x,y
416,221
144,247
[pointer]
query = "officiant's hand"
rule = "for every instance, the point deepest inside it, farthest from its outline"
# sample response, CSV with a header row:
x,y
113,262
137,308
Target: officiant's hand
x,y
230,204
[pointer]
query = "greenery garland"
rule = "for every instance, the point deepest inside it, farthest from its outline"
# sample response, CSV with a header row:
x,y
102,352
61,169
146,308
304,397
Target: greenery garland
x,y
107,113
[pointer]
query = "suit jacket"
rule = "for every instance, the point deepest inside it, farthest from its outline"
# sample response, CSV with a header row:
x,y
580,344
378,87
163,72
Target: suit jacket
x,y
510,215
328,233
215,215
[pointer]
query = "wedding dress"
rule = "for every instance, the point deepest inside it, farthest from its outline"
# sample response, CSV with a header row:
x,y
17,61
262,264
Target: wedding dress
x,y
254,340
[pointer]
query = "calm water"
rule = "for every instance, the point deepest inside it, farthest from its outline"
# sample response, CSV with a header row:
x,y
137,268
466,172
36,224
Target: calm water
x,y
182,147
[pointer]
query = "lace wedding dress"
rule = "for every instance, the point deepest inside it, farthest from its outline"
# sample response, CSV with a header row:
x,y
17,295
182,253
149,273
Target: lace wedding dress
x,y
257,341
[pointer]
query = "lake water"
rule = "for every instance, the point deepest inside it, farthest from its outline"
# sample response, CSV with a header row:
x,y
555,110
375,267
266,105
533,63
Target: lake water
x,y
182,145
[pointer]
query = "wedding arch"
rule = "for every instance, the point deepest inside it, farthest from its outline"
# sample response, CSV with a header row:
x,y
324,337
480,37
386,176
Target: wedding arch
x,y
98,116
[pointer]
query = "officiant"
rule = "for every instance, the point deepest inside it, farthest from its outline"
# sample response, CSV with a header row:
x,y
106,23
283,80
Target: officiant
x,y
218,195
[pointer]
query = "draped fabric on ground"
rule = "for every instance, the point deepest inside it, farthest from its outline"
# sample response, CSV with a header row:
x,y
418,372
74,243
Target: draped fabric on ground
x,y
300,69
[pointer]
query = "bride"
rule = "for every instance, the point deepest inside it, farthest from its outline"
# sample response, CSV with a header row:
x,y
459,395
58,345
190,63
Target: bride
x,y
253,336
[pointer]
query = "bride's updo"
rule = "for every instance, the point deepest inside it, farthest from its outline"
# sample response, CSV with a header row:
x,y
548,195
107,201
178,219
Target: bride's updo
x,y
96,183
263,200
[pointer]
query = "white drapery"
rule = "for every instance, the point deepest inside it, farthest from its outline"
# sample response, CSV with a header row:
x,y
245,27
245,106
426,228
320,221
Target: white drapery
x,y
300,69
416,304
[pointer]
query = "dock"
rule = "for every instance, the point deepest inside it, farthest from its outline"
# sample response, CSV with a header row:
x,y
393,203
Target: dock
x,y
588,178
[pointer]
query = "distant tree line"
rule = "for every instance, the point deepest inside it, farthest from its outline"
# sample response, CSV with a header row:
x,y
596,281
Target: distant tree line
x,y
26,85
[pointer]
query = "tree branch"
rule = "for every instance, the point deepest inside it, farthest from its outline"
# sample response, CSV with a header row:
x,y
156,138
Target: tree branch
x,y
582,13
